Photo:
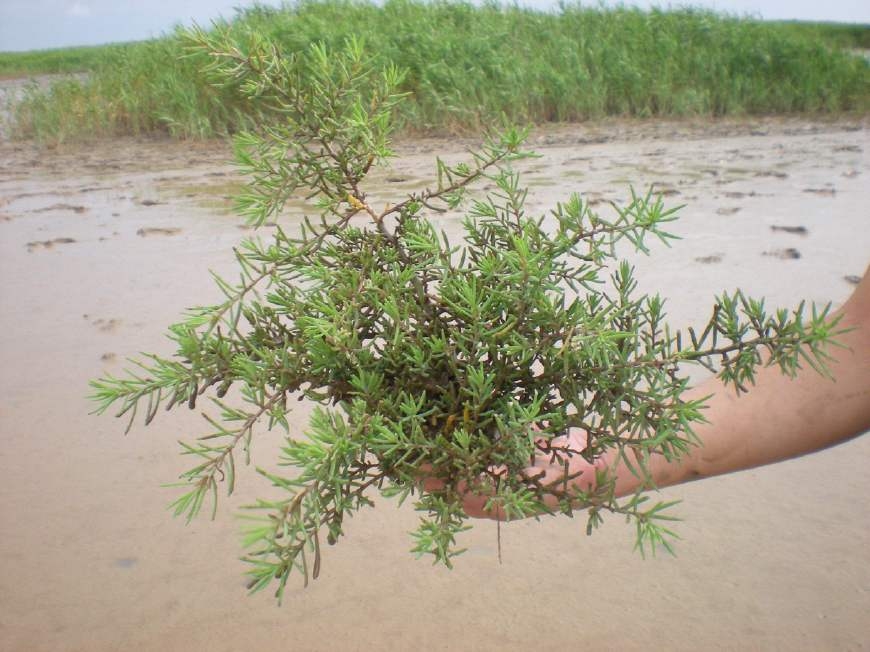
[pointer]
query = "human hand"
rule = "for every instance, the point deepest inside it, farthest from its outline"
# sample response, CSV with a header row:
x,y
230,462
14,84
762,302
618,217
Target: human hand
x,y
557,465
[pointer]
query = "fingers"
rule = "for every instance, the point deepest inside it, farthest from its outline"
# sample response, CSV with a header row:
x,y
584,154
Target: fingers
x,y
474,499
475,506
429,482
573,443
557,465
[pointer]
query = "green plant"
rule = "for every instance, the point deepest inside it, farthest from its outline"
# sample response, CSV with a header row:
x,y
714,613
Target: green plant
x,y
459,359
468,64
57,61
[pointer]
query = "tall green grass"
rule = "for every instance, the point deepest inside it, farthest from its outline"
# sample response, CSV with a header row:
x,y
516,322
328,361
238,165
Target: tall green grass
x,y
468,65
147,87
848,36
60,60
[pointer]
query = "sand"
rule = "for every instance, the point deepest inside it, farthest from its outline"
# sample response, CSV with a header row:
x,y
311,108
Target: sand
x,y
101,247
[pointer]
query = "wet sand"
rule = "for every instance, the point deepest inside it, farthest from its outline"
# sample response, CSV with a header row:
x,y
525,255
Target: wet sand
x,y
101,247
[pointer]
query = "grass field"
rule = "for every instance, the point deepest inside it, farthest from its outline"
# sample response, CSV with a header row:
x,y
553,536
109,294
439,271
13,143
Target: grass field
x,y
850,37
469,65
61,60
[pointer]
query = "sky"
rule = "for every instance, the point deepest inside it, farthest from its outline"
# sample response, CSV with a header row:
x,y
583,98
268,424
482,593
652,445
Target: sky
x,y
41,24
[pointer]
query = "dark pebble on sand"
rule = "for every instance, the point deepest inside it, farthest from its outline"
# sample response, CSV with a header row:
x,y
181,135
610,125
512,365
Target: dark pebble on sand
x,y
822,192
784,254
797,230
157,231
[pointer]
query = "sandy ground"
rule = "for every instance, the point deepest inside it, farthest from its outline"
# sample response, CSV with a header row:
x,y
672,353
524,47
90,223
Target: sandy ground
x,y
101,247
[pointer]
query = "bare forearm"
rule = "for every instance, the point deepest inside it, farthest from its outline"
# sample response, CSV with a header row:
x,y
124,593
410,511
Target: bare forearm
x,y
779,417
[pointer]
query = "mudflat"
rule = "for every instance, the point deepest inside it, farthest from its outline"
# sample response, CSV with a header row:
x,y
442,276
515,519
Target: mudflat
x,y
103,246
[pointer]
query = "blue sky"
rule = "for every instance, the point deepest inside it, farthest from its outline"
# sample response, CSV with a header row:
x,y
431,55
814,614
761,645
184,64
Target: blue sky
x,y
36,24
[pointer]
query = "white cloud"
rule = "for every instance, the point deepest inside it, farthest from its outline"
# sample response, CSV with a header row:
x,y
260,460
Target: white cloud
x,y
78,9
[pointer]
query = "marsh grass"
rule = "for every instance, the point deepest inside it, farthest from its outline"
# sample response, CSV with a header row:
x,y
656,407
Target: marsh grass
x,y
468,66
147,87
55,61
840,35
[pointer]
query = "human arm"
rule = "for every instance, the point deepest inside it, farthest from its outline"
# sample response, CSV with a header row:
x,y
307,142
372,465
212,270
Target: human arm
x,y
777,419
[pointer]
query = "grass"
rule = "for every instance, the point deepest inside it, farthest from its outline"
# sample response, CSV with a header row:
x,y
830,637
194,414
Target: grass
x,y
850,37
468,65
61,60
